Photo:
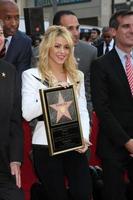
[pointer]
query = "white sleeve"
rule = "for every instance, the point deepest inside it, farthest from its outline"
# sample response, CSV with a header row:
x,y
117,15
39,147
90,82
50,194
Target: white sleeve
x,y
31,104
84,115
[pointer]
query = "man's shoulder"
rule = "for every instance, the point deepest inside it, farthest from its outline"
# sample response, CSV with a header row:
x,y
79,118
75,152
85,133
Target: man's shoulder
x,y
107,58
86,46
100,45
21,35
5,65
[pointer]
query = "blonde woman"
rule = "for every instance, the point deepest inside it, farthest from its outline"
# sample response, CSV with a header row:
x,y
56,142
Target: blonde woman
x,y
57,66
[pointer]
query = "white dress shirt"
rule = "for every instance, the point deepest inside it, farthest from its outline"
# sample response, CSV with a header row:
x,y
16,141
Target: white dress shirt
x,y
31,104
8,40
111,45
122,56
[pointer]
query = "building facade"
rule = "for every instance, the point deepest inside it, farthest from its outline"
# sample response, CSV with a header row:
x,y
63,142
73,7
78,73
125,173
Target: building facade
x,y
89,12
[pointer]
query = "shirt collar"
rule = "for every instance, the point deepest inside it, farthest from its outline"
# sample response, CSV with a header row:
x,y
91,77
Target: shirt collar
x,y
9,39
122,53
111,44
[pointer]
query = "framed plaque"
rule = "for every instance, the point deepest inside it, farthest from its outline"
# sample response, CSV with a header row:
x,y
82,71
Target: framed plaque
x,y
61,118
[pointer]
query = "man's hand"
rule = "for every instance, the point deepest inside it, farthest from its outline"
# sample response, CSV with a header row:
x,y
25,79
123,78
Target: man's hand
x,y
15,171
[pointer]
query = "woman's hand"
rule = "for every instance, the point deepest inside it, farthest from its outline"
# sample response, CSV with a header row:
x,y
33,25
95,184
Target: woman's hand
x,y
86,144
63,84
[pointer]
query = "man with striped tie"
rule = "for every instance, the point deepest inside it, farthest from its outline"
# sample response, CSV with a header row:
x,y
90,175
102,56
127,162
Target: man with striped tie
x,y
112,97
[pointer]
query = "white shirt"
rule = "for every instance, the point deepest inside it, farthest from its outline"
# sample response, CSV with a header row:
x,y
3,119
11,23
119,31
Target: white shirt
x,y
111,45
122,56
8,40
31,105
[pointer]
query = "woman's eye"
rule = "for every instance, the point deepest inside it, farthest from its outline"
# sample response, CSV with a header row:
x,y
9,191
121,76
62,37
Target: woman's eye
x,y
57,46
1,33
67,47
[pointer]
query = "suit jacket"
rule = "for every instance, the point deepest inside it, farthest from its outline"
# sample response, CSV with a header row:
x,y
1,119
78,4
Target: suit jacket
x,y
113,103
85,54
11,137
19,52
100,49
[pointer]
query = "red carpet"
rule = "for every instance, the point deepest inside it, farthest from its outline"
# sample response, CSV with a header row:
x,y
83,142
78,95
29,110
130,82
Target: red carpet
x,y
27,171
94,160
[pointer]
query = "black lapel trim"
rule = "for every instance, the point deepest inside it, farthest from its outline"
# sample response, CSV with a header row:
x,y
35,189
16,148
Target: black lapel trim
x,y
45,82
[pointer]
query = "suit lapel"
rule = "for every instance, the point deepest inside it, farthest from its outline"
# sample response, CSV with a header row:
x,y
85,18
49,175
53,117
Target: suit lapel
x,y
4,82
100,49
77,51
119,69
12,47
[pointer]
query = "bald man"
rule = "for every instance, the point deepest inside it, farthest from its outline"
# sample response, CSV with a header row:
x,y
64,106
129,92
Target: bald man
x,y
18,45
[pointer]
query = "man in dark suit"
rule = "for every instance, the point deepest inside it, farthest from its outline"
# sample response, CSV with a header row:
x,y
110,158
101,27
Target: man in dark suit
x,y
11,137
107,43
84,53
112,97
18,45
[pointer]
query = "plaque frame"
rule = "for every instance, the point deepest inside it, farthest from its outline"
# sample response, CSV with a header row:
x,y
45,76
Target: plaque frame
x,y
63,127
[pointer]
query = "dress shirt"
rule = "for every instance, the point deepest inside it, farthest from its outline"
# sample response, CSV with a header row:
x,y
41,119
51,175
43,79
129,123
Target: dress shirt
x,y
8,40
111,45
122,56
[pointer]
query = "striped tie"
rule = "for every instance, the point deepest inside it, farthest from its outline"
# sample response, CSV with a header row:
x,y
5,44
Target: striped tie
x,y
107,48
129,71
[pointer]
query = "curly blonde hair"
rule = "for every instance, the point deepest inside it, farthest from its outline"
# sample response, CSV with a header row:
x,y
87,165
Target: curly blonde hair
x,y
48,41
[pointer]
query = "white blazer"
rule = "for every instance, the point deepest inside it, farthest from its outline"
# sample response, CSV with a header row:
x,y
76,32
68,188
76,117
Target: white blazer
x,y
31,105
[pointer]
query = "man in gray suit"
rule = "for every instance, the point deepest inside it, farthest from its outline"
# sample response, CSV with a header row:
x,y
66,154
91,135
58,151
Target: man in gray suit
x,y
84,53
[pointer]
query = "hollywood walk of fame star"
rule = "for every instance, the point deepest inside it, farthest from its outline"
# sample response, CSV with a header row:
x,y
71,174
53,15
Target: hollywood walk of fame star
x,y
62,108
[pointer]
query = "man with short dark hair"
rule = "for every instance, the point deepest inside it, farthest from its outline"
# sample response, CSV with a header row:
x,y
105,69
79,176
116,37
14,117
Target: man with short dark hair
x,y
112,97
84,53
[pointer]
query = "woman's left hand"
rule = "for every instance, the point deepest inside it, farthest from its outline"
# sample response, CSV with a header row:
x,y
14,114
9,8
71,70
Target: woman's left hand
x,y
86,144
63,84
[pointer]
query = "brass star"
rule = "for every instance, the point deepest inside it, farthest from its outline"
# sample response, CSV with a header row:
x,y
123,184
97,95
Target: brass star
x,y
62,108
